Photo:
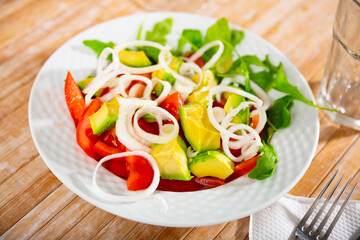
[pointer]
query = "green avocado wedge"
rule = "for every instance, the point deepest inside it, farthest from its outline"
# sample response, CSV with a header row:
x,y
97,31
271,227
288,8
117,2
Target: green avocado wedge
x,y
211,164
198,130
172,160
134,59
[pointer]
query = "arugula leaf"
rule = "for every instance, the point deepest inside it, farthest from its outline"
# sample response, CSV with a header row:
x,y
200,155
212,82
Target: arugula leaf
x,y
268,132
281,83
98,46
265,165
236,37
255,60
218,31
138,36
191,36
158,34
264,79
279,114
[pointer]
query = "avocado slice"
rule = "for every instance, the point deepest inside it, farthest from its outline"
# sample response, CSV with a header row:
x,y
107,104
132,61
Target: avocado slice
x,y
198,130
201,94
83,83
134,58
165,76
233,102
171,159
211,164
105,118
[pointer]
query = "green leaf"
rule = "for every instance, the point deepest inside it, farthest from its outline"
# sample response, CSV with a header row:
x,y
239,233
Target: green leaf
x,y
158,34
264,79
219,31
279,114
268,132
265,165
236,37
224,64
98,46
138,36
255,60
191,36
281,83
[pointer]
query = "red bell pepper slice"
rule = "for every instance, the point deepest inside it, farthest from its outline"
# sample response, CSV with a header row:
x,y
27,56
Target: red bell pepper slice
x,y
141,173
172,104
84,136
74,98
243,168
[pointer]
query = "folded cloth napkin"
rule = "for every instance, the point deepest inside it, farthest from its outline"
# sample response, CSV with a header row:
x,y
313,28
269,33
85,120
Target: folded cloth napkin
x,y
279,219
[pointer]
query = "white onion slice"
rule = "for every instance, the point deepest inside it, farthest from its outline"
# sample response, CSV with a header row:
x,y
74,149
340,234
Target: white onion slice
x,y
98,82
166,89
185,68
125,81
164,134
206,47
267,102
249,142
122,131
259,111
124,126
103,60
219,114
137,91
219,89
137,43
162,56
127,196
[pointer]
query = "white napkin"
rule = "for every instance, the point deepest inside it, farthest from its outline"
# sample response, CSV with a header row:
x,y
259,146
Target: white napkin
x,y
279,220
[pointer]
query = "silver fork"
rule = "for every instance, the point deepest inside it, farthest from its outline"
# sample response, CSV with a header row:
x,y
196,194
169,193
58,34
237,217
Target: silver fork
x,y
305,232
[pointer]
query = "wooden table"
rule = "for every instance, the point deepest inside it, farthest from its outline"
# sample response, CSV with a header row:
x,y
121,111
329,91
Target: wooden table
x,y
35,204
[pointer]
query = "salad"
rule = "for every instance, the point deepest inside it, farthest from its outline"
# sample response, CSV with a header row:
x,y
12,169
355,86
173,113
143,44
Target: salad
x,y
179,119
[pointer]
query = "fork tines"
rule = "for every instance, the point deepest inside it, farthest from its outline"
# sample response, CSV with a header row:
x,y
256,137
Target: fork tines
x,y
308,232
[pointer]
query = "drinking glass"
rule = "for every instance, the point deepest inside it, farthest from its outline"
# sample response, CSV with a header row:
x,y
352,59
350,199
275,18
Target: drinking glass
x,y
340,86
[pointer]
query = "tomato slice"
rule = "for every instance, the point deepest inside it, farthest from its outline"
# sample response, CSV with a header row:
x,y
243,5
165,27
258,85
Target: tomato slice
x,y
255,121
104,150
74,98
210,181
152,128
141,173
179,186
84,136
118,167
110,138
243,168
172,104
200,62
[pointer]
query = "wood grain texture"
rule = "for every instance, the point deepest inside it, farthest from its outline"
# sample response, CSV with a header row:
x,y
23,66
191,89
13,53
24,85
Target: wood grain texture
x,y
33,202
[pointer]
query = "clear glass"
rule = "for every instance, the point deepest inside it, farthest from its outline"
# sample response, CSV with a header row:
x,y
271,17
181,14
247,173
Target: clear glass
x,y
340,86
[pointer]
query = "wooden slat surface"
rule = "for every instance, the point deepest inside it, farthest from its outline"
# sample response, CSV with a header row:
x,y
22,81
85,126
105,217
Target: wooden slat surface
x,y
35,204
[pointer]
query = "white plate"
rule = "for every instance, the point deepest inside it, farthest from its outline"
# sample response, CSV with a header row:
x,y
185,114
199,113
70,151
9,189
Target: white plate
x,y
53,132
